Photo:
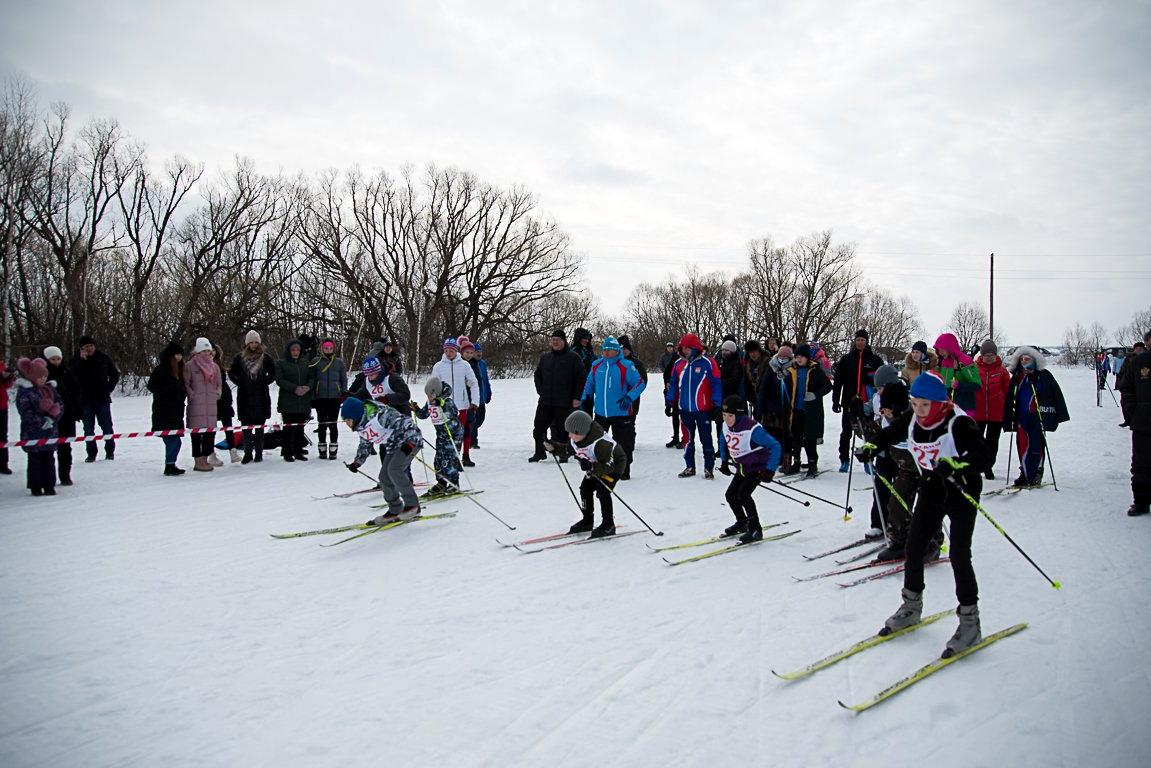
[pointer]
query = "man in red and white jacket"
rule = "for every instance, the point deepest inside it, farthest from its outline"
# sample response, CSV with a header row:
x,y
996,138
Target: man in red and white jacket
x,y
695,385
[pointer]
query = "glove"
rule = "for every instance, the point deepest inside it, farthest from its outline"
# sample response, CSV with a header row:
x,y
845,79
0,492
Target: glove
x,y
414,406
353,467
624,403
301,390
766,476
725,469
866,452
836,408
668,409
407,449
549,447
947,467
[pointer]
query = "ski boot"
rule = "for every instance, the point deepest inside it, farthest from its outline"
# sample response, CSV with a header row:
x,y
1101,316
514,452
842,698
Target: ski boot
x,y
537,457
988,474
967,634
407,513
812,470
384,519
467,461
583,526
708,474
688,472
606,528
753,533
739,527
844,467
873,534
908,614
1137,509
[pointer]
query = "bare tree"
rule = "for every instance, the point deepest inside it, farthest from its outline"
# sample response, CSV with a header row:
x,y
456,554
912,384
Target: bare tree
x,y
970,324
1133,331
892,322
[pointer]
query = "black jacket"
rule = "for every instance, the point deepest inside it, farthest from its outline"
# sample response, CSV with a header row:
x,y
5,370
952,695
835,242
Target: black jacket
x,y
253,400
400,400
1136,388
559,378
169,394
969,444
585,354
68,387
97,377
851,376
731,374
1052,407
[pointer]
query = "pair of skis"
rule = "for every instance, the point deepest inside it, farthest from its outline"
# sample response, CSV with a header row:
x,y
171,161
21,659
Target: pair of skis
x,y
363,529
424,499
716,540
561,540
905,682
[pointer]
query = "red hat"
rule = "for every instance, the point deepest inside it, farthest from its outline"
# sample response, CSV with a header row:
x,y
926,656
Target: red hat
x,y
465,343
691,341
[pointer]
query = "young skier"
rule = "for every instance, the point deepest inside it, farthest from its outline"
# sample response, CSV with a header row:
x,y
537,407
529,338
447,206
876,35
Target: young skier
x,y
958,372
989,399
1034,407
696,388
40,408
603,460
754,456
445,417
399,439
948,449
376,385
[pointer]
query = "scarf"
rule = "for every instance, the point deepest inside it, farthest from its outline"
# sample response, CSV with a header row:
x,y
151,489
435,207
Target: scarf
x,y
935,416
253,363
207,368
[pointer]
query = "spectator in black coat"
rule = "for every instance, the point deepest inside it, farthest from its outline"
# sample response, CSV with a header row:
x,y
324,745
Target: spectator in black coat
x,y
1135,385
559,383
68,387
253,371
853,385
169,396
97,375
1120,377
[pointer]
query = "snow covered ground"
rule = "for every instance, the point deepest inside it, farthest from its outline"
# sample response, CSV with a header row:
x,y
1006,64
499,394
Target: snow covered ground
x,y
147,620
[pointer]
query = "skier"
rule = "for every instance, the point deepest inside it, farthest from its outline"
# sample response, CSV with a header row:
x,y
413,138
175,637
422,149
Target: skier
x,y
994,383
804,387
40,409
919,360
1136,389
1034,407
696,388
852,386
603,460
374,384
398,438
958,371
613,384
559,380
755,456
948,451
452,369
445,418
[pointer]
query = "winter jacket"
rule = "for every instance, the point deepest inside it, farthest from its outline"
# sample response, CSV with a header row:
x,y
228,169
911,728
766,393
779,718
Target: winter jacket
x,y
912,369
753,374
443,413
7,380
1135,385
854,374
35,424
751,447
584,353
641,368
225,404
995,381
68,388
203,396
970,448
169,393
815,389
610,457
610,381
560,378
480,369
459,374
330,378
1035,390
390,389
958,372
665,362
695,384
389,429
392,363
731,373
97,376
772,395
253,400
1125,387
289,375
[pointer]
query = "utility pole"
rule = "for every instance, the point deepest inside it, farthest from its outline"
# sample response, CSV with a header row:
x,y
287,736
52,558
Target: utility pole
x,y
991,302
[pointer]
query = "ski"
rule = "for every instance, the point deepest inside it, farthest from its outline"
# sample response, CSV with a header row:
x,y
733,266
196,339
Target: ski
x,y
434,499
865,553
890,572
731,548
930,669
848,569
862,645
338,529
844,548
1011,490
704,542
799,478
386,526
545,539
350,494
574,543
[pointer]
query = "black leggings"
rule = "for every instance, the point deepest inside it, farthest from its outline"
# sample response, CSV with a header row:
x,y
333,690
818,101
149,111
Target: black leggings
x,y
202,443
293,436
929,514
599,488
327,412
739,496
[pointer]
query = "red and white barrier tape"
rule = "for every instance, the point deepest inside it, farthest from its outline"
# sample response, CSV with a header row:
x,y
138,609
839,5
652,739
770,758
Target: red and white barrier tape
x,y
153,433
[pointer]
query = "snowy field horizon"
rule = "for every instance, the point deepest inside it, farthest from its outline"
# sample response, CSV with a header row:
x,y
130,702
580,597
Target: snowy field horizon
x,y
149,620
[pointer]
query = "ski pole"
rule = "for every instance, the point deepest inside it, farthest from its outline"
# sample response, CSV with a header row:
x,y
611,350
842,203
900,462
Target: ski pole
x,y
990,519
791,488
459,458
567,482
628,506
767,487
375,480
1043,430
471,498
850,467
878,507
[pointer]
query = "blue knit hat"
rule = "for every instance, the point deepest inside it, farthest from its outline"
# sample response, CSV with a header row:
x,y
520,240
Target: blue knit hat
x,y
929,386
353,408
611,344
451,343
479,347
371,366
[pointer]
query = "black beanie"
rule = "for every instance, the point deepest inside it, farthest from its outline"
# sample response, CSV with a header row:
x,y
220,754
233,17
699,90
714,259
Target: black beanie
x,y
919,346
803,350
85,340
558,333
735,404
894,396
862,332
753,346
625,342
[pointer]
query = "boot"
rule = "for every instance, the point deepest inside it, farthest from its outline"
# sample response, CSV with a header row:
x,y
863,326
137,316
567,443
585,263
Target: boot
x,y
988,475
1137,509
890,552
323,449
791,469
583,526
724,468
673,443
812,470
50,491
259,441
333,449
384,519
247,452
708,474
109,453
214,460
873,534
739,527
467,461
40,491
66,478
908,614
754,533
407,513
171,470
845,466
689,472
968,632
606,528
234,455
202,465
537,457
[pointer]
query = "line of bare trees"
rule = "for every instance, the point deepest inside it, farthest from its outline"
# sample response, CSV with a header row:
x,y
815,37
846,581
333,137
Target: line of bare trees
x,y
98,240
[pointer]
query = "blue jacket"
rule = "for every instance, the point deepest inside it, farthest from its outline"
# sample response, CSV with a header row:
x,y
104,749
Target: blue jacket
x,y
695,384
480,368
609,381
769,450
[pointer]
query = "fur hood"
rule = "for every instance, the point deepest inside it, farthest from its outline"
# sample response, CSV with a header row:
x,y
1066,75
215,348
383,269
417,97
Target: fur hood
x,y
23,383
933,361
1013,360
778,366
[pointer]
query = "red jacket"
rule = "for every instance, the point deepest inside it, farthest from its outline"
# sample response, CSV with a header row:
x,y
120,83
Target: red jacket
x,y
6,380
989,398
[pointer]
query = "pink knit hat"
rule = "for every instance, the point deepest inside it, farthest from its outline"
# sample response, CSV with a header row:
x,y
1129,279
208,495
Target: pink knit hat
x,y
465,343
33,370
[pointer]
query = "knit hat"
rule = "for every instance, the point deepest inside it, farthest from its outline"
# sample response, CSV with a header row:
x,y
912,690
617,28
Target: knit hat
x,y
433,387
558,333
735,404
51,352
894,396
625,343
929,386
33,370
862,334
919,346
452,342
479,347
669,344
386,343
252,336
610,344
753,346
988,348
465,343
353,409
885,375
784,351
371,366
85,340
728,346
327,343
803,350
691,341
202,345
578,422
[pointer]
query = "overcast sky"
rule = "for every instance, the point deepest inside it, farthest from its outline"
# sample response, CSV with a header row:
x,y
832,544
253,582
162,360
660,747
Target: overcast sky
x,y
661,134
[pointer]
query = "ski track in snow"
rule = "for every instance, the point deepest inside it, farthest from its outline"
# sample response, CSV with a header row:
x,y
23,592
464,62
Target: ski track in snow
x,y
147,620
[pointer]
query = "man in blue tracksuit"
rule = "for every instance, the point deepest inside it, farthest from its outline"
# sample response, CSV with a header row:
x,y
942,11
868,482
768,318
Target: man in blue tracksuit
x,y
614,384
697,388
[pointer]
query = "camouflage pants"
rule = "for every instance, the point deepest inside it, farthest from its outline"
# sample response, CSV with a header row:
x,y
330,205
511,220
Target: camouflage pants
x,y
447,462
